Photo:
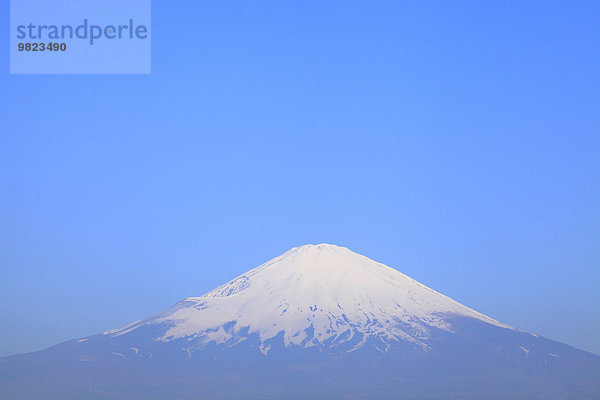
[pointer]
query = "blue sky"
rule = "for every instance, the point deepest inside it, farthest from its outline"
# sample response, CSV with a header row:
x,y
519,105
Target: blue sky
x,y
457,142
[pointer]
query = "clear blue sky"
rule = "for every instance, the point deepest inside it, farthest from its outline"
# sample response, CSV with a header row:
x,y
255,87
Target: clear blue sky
x,y
458,142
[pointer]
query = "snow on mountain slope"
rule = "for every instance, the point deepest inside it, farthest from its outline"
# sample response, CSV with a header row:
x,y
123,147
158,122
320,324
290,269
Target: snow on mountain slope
x,y
328,291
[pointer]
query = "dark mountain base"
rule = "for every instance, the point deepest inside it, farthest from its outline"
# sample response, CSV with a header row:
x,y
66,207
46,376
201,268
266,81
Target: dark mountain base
x,y
477,361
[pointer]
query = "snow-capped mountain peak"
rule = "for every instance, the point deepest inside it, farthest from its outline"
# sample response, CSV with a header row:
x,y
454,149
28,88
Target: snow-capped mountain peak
x,y
314,295
317,322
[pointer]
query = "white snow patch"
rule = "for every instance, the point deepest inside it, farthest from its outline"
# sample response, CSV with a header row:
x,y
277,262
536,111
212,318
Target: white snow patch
x,y
526,351
189,352
135,349
120,355
264,349
123,330
81,340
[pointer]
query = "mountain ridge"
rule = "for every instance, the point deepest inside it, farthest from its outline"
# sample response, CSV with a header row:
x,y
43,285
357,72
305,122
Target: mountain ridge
x,y
326,288
349,328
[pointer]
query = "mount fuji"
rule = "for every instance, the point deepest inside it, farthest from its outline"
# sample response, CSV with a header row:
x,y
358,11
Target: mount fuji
x,y
318,322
